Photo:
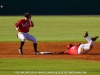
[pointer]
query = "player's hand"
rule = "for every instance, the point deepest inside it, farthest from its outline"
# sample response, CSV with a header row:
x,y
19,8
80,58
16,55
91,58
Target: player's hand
x,y
29,16
17,29
30,20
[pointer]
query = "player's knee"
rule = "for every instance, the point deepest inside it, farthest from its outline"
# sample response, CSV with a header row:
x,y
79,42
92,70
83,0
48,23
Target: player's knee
x,y
23,40
35,41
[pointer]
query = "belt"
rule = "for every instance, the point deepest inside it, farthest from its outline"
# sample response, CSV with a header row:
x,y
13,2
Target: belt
x,y
22,32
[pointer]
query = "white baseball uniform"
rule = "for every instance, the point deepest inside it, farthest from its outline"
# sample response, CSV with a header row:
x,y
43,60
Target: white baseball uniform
x,y
84,48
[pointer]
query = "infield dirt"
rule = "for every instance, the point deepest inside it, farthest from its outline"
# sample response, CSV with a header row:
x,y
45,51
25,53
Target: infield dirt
x,y
10,50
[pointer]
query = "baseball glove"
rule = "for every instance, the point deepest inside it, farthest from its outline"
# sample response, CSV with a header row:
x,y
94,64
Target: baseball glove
x,y
27,15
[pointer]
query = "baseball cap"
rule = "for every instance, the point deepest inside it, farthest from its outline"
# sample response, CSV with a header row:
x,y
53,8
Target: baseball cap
x,y
69,46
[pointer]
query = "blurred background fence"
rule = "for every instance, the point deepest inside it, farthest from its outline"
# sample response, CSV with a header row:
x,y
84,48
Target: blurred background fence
x,y
50,7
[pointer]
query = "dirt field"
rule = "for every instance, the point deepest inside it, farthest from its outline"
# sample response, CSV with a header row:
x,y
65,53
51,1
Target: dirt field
x,y
10,50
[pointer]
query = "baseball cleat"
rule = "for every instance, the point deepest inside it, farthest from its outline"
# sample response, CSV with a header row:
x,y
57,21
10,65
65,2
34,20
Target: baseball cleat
x,y
20,51
86,34
37,52
94,38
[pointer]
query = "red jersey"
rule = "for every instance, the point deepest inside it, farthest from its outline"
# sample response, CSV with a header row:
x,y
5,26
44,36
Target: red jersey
x,y
73,50
23,25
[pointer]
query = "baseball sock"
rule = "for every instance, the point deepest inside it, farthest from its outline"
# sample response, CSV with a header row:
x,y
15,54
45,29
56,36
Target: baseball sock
x,y
21,44
35,47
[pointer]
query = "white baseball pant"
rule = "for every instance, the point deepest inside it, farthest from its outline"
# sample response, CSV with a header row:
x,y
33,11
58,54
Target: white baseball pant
x,y
84,48
25,36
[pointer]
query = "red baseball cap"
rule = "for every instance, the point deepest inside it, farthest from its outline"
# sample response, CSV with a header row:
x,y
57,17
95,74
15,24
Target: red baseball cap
x,y
69,46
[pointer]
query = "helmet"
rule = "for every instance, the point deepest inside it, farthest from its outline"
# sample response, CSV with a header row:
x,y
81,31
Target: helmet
x,y
27,15
69,46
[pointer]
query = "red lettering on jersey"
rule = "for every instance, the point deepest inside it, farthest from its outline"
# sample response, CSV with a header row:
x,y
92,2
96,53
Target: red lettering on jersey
x,y
23,25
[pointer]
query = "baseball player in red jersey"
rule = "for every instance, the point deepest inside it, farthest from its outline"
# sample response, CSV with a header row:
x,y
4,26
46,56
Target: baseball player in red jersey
x,y
81,48
23,27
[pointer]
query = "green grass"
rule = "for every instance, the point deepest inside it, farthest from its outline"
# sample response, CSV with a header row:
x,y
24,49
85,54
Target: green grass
x,y
48,29
45,66
52,28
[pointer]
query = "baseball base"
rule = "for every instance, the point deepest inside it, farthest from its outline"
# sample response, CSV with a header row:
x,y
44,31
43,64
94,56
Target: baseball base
x,y
45,52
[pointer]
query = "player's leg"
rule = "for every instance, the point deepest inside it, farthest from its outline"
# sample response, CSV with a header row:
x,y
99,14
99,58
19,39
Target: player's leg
x,y
94,38
20,48
22,37
87,37
84,48
33,39
90,39
35,48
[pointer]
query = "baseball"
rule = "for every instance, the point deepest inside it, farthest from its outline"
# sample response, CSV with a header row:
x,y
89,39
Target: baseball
x,y
1,6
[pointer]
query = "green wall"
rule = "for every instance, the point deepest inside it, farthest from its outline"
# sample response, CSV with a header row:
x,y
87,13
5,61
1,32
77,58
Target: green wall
x,y
50,7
